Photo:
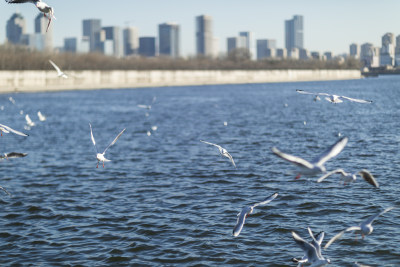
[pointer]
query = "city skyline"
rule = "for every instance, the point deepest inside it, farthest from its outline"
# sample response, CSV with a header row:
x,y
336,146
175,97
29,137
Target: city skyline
x,y
265,20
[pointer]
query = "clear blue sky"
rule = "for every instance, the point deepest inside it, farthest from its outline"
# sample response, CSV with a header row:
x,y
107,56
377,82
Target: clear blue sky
x,y
329,25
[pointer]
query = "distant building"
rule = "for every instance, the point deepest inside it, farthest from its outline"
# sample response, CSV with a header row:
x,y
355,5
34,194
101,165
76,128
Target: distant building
x,y
91,30
281,53
294,37
147,46
304,54
294,53
316,55
130,41
266,48
397,51
169,40
112,41
204,36
328,55
16,27
46,38
71,45
369,56
387,53
355,50
235,43
247,38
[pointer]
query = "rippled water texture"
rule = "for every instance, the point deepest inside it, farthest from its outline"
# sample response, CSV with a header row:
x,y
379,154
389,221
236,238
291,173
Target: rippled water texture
x,y
168,199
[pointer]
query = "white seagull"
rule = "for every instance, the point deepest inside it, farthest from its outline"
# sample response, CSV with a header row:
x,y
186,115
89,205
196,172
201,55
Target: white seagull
x,y
334,98
312,253
29,122
316,166
352,177
222,151
41,116
247,211
42,6
6,129
316,242
59,72
100,156
365,227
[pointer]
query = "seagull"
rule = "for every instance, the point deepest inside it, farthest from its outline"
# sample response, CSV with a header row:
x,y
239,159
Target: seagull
x,y
145,106
100,156
42,6
316,166
6,129
334,98
29,122
247,211
13,155
222,151
312,254
41,116
365,227
316,242
352,177
59,72
154,128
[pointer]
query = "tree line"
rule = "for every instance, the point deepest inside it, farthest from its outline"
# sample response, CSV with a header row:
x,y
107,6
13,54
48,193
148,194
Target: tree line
x,y
21,58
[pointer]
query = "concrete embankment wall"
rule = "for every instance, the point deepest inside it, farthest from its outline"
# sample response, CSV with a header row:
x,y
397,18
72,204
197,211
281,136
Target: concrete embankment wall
x,y
33,81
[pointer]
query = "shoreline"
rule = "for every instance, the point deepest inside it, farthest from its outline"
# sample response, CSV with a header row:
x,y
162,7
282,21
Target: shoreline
x,y
48,81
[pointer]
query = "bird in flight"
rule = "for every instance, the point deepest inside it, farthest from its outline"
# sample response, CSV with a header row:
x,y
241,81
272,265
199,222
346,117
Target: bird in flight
x,y
222,151
13,155
42,6
334,98
6,129
59,72
312,254
352,177
100,156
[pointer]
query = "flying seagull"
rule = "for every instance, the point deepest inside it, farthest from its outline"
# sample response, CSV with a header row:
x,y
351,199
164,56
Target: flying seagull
x,y
42,6
222,151
100,156
41,116
365,227
316,242
59,72
247,211
29,122
13,155
334,98
312,254
6,129
316,166
352,177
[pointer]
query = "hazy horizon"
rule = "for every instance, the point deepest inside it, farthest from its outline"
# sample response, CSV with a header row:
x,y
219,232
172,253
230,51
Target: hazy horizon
x,y
344,22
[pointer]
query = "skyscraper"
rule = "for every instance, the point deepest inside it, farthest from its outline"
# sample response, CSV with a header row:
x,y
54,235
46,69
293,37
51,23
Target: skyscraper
x,y
91,29
248,42
44,40
235,43
130,41
16,27
388,50
204,36
355,50
294,33
147,46
112,41
169,37
266,48
71,45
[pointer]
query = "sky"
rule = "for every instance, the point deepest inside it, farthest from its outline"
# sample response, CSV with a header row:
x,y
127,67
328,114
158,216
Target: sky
x,y
329,25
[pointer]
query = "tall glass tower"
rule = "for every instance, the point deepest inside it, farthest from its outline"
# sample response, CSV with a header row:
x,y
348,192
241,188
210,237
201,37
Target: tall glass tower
x,y
294,37
168,35
204,36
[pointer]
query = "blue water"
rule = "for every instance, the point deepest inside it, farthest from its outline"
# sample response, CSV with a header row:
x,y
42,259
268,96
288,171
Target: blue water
x,y
170,200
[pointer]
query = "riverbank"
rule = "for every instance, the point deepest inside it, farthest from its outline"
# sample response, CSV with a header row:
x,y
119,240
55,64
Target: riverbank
x,y
39,81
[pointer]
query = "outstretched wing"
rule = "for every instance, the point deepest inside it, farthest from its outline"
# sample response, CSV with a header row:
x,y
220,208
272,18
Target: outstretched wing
x,y
2,188
12,130
331,152
330,173
369,178
266,200
230,158
210,144
15,155
317,241
310,93
92,137
373,217
309,250
240,222
20,1
55,66
357,100
293,159
115,140
339,235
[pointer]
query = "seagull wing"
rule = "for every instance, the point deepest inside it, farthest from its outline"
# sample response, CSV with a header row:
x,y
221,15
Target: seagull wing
x,y
369,178
240,221
20,1
339,235
310,93
331,152
115,140
92,137
373,217
15,155
12,130
2,188
330,173
317,242
211,144
266,200
309,250
293,159
357,100
56,67
230,158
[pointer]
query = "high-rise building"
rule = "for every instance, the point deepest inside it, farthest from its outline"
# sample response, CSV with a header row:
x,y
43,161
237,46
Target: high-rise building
x,y
16,27
204,36
147,46
248,41
169,39
266,48
130,41
294,35
368,55
71,45
235,43
44,39
281,53
387,53
91,29
112,41
355,50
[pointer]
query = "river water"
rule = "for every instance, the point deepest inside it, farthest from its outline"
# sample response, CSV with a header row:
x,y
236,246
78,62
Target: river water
x,y
169,200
